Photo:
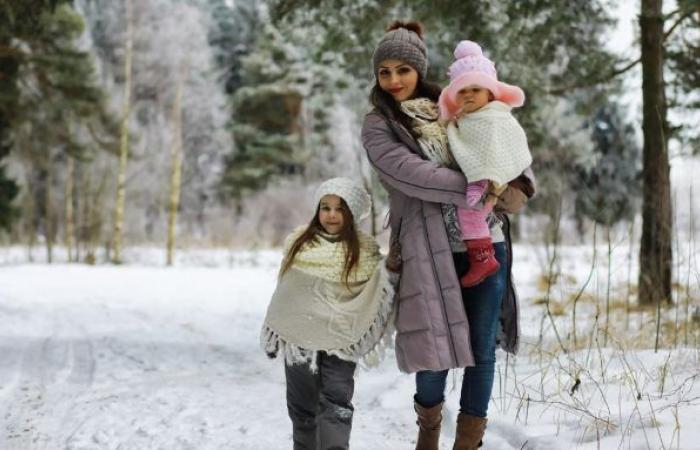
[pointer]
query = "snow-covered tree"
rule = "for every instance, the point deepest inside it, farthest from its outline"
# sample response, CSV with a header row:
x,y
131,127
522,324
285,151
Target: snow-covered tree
x,y
59,117
164,44
232,34
267,109
554,50
609,178
20,23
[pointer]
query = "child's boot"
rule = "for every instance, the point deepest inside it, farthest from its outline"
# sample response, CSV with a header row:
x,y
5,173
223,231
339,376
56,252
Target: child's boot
x,y
482,261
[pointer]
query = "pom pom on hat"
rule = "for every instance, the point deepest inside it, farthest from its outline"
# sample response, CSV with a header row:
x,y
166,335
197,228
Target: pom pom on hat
x,y
416,27
354,194
470,59
468,48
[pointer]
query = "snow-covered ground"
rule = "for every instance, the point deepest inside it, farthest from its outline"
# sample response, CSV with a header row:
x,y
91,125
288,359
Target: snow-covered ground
x,y
145,357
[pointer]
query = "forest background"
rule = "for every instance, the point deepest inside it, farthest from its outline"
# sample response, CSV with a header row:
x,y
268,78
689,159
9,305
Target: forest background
x,y
136,135
207,123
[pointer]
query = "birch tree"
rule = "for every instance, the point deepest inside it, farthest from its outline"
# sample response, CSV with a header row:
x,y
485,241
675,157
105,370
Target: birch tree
x,y
176,174
161,44
124,141
69,229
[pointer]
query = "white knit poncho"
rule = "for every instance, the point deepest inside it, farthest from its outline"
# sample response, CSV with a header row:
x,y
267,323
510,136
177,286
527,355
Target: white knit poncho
x,y
313,310
489,144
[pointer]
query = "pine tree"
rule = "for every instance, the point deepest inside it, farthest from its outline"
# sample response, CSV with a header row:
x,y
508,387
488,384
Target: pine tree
x,y
655,255
232,36
682,52
58,111
8,192
20,20
549,48
609,177
267,116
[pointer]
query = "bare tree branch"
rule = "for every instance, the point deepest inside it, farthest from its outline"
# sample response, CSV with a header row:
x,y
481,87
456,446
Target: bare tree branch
x,y
619,71
604,79
678,21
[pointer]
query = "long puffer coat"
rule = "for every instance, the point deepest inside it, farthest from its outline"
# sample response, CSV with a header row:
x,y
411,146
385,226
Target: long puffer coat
x,y
432,327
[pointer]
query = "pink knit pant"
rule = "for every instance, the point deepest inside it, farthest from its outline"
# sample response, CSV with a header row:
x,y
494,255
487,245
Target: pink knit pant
x,y
472,222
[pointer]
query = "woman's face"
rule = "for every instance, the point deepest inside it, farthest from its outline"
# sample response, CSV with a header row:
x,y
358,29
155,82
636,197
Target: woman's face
x,y
397,78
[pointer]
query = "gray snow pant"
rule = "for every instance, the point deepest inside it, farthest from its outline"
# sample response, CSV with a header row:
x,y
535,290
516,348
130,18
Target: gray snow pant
x,y
319,404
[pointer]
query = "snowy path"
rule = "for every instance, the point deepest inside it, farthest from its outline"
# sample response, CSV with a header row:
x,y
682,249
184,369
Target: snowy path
x,y
144,358
138,357
129,358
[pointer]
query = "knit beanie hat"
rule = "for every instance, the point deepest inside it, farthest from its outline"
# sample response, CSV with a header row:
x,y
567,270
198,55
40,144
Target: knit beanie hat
x,y
354,194
405,43
472,68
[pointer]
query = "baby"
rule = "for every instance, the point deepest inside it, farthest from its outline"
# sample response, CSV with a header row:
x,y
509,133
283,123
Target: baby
x,y
488,144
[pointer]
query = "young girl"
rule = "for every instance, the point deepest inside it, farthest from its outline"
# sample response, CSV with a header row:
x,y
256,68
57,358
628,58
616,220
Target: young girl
x,y
487,143
330,309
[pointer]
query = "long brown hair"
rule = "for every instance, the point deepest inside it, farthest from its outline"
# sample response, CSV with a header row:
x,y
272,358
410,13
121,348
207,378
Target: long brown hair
x,y
348,236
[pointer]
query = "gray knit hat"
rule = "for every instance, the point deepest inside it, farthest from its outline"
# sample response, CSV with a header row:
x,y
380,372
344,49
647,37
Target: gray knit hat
x,y
404,45
354,194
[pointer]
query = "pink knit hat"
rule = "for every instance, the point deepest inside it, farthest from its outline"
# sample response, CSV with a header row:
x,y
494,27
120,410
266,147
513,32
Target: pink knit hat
x,y
472,68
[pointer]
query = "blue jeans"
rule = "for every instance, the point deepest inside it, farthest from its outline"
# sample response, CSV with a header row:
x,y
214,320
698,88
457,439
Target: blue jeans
x,y
483,306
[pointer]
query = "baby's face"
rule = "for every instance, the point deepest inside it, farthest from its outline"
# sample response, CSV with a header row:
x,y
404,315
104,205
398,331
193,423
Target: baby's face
x,y
472,98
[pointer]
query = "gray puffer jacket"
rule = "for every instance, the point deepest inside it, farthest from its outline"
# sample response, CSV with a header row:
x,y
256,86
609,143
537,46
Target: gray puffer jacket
x,y
432,327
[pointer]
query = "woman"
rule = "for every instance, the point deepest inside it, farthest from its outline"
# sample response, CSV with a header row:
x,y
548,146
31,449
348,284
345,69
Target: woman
x,y
440,326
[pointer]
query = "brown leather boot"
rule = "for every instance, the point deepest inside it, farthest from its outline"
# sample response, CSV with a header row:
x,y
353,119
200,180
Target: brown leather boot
x,y
470,430
482,261
428,426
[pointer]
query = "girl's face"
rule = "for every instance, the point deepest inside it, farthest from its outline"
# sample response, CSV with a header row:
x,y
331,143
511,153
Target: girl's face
x,y
330,214
472,98
397,78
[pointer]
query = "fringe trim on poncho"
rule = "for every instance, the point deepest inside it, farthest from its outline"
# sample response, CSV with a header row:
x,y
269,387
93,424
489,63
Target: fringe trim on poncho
x,y
313,309
369,350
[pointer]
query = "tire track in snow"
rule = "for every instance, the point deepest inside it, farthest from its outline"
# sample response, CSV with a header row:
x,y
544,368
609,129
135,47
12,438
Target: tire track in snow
x,y
27,397
51,375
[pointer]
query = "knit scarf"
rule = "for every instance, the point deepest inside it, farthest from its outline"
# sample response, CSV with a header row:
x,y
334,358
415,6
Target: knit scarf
x,y
312,309
433,138
435,146
325,258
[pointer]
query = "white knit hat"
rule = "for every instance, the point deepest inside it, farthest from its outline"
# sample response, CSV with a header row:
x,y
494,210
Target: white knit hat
x,y
354,194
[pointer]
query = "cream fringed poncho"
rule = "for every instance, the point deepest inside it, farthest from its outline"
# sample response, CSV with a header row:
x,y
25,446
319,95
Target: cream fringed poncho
x,y
313,310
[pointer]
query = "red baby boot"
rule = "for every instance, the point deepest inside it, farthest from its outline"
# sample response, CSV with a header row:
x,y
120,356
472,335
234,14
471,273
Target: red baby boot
x,y
482,261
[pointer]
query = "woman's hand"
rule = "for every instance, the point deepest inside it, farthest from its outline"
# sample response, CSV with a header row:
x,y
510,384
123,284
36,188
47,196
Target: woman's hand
x,y
513,198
